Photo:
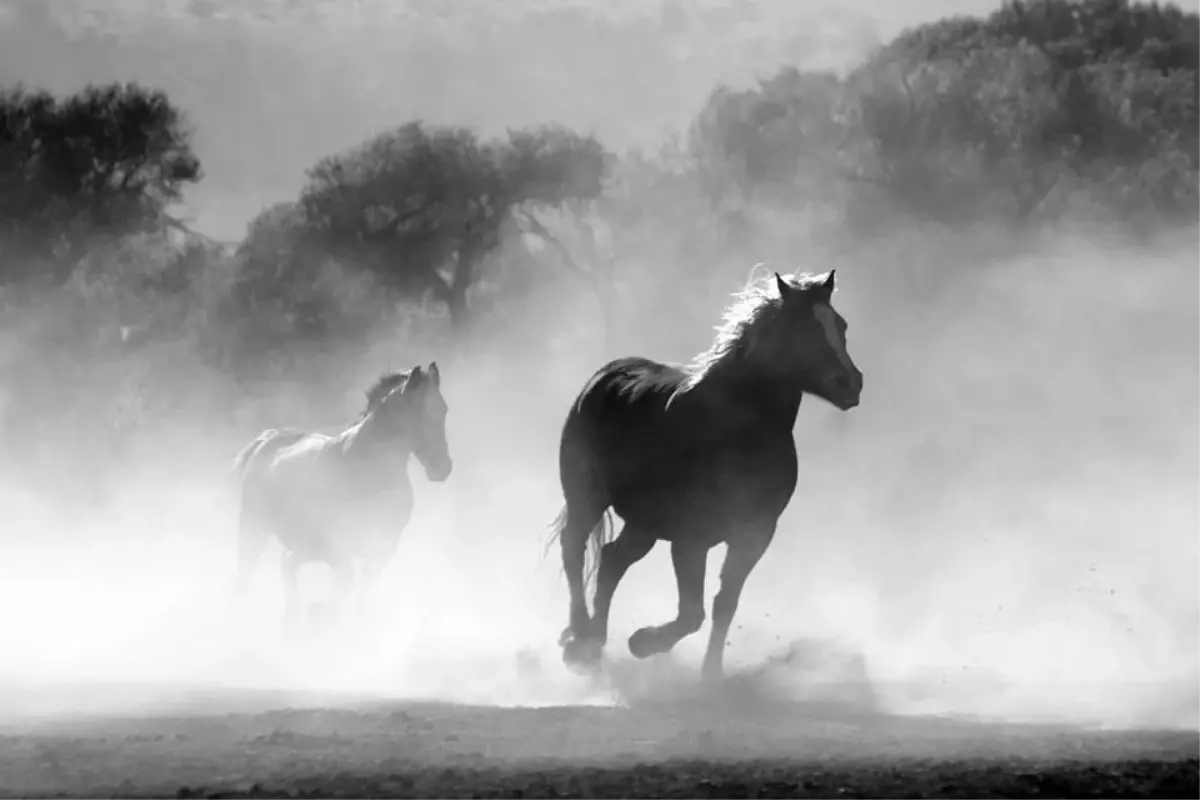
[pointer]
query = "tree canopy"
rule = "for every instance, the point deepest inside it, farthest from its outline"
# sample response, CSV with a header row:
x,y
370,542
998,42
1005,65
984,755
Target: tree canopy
x,y
420,207
970,118
107,160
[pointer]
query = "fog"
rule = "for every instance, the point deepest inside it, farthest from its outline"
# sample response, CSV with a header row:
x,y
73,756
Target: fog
x,y
1007,527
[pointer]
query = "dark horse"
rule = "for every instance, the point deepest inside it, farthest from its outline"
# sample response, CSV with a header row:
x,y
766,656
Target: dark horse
x,y
342,498
695,456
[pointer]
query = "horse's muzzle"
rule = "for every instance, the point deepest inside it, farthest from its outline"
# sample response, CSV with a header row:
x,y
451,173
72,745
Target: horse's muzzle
x,y
440,471
845,390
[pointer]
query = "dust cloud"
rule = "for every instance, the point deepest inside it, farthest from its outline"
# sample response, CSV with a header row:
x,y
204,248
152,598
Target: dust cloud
x,y
1005,528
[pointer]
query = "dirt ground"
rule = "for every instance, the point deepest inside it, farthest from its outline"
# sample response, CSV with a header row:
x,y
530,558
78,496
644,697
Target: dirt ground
x,y
723,747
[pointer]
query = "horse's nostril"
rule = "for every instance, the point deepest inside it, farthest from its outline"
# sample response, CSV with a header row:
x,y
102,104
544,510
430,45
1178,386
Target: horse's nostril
x,y
850,381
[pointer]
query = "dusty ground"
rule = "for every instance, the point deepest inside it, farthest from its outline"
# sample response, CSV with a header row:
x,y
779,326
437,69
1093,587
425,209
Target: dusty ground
x,y
730,747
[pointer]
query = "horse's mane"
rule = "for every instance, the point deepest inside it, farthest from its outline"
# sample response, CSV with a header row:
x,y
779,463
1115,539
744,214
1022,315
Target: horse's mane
x,y
751,310
383,386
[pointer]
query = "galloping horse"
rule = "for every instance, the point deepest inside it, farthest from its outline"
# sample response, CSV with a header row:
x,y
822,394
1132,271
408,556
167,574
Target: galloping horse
x,y
342,498
695,456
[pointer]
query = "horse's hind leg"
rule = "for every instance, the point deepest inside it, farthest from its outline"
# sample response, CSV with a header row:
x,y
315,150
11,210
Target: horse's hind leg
x,y
690,560
579,520
615,560
375,559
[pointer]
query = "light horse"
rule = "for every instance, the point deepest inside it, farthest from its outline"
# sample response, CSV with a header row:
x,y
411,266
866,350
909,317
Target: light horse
x,y
344,498
695,456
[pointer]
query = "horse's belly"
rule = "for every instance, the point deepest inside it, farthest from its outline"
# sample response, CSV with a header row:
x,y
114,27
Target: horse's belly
x,y
705,500
338,532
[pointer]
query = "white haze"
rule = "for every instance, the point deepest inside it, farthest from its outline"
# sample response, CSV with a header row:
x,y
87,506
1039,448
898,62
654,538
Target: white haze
x,y
1007,527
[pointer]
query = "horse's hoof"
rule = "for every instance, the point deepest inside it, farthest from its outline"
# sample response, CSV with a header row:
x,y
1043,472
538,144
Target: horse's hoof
x,y
582,653
642,644
566,636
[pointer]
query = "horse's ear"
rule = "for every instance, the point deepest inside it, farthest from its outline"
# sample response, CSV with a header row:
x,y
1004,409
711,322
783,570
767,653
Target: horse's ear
x,y
825,288
785,288
435,374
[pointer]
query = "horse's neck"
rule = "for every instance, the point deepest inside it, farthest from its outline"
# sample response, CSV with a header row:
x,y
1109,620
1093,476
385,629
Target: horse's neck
x,y
363,443
748,386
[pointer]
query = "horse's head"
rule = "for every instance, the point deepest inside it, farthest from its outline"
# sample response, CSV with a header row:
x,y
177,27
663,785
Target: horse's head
x,y
807,338
416,408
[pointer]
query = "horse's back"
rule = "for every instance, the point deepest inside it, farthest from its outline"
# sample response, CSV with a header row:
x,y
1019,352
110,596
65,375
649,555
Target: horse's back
x,y
264,447
632,390
286,477
616,430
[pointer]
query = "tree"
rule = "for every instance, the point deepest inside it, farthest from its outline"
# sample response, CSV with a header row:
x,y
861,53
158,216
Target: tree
x,y
421,207
284,289
969,118
108,160
965,114
787,131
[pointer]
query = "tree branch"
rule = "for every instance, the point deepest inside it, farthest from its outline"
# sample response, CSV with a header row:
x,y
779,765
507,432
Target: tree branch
x,y
186,230
536,227
601,289
375,237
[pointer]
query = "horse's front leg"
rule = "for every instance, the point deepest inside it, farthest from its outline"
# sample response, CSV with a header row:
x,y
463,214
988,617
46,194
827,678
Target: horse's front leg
x,y
740,559
290,575
690,560
330,611
375,559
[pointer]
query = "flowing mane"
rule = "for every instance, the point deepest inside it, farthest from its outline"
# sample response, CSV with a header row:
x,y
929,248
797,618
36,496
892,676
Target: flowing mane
x,y
383,386
749,312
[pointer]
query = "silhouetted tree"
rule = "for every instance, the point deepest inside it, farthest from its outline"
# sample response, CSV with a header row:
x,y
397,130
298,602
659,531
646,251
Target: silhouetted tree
x,y
107,160
967,118
420,207
769,138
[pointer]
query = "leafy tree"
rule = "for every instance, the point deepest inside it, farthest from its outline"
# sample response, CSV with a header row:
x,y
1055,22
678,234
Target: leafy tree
x,y
968,118
107,160
419,208
764,141
285,288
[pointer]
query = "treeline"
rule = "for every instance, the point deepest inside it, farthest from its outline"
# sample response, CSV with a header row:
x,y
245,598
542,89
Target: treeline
x,y
1043,112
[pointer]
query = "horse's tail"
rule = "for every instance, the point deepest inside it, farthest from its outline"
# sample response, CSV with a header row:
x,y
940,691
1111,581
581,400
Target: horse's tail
x,y
585,524
598,536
